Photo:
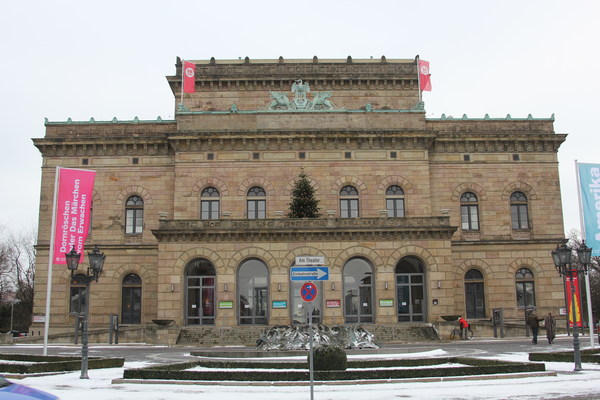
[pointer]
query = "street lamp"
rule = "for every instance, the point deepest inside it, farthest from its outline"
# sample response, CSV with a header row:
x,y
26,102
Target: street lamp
x,y
562,261
96,262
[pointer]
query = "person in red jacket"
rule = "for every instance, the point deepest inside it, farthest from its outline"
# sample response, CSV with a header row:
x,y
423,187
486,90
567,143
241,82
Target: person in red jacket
x,y
464,327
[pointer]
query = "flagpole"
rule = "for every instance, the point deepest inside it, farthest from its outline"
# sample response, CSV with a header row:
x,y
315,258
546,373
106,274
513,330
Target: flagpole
x,y
50,259
418,77
182,77
587,274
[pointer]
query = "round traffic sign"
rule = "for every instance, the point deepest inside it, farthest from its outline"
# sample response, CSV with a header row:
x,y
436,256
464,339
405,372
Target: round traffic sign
x,y
308,291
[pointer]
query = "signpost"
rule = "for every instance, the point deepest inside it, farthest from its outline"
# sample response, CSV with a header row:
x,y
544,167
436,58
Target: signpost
x,y
309,268
309,293
309,273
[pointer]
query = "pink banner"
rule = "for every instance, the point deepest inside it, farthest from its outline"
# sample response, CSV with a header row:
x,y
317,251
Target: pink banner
x,y
74,201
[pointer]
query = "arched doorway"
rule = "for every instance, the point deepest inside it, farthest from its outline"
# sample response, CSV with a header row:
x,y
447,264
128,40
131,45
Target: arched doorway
x,y
410,290
358,291
474,294
200,292
131,299
253,278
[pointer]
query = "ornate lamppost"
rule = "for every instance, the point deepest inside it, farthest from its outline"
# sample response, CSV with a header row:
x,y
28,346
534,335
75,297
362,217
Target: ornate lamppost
x,y
562,261
94,269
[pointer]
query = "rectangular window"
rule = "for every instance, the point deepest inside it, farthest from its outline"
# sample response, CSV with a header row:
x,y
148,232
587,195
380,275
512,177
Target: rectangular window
x,y
210,156
395,208
210,209
255,156
469,218
467,157
257,209
302,155
85,161
77,304
393,154
349,208
135,160
348,154
134,221
519,216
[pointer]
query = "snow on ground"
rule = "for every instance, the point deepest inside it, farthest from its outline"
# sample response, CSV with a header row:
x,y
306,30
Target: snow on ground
x,y
100,387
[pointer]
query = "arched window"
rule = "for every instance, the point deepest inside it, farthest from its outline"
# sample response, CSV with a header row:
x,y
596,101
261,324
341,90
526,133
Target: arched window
x,y
410,289
257,203
209,203
394,201
349,202
518,211
134,215
131,300
358,291
200,292
78,291
525,288
469,212
253,280
474,294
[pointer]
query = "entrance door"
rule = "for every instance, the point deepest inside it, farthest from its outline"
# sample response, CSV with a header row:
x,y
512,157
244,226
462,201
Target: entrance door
x,y
410,290
200,293
131,300
474,294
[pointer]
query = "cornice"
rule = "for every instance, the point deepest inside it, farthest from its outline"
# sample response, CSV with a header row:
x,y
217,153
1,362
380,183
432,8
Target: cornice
x,y
498,143
265,140
320,229
88,147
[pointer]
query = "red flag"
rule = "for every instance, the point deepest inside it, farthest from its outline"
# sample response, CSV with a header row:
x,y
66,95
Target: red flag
x,y
574,308
424,76
74,200
189,77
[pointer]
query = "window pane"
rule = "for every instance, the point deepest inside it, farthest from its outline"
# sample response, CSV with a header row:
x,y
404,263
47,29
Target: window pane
x,y
464,218
474,218
353,208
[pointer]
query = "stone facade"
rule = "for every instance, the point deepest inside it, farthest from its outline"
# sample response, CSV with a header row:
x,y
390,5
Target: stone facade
x,y
227,136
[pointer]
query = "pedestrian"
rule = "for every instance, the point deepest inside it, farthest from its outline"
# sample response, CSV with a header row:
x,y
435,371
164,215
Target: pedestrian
x,y
464,326
550,325
534,323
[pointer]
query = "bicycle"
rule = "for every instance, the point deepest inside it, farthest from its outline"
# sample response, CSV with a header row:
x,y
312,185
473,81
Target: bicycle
x,y
456,332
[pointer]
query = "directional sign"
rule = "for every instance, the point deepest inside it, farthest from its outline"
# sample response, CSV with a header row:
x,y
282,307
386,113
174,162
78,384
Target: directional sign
x,y
310,260
308,291
309,273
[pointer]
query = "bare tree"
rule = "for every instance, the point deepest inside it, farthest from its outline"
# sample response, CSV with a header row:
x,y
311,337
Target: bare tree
x,y
17,274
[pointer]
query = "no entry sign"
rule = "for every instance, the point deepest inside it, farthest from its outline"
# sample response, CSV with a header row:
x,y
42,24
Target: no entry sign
x,y
308,291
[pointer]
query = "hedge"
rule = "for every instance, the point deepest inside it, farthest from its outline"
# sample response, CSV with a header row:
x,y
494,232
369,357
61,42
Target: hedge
x,y
41,364
587,355
472,367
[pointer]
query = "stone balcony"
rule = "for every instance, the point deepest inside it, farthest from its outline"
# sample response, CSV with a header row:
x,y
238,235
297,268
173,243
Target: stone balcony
x,y
318,229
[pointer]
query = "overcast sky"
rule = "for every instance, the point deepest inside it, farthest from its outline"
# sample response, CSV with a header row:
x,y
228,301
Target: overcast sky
x,y
108,59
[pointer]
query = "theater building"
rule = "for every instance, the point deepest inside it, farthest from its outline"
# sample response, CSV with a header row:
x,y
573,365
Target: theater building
x,y
420,217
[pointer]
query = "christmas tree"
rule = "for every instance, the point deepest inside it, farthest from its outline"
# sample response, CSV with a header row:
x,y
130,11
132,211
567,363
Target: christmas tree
x,y
303,204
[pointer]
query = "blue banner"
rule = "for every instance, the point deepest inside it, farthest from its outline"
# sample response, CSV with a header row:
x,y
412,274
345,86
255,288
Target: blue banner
x,y
589,186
